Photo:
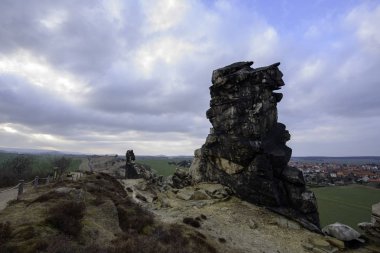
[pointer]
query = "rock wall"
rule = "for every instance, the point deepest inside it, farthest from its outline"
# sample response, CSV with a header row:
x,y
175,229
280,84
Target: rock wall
x,y
246,148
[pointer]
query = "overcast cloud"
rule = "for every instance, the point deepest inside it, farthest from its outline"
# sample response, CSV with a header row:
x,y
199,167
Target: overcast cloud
x,y
106,76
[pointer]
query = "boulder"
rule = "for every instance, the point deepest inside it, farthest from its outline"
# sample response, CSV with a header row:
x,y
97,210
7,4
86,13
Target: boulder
x,y
185,194
199,195
341,232
180,179
246,147
145,196
215,191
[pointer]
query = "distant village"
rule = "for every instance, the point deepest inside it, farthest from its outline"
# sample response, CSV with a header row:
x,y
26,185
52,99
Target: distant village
x,y
329,174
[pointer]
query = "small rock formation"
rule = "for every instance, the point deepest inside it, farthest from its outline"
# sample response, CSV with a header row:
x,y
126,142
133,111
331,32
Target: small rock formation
x,y
372,229
179,179
130,171
246,148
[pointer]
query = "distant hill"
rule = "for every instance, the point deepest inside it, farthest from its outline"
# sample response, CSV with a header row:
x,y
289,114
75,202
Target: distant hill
x,y
37,151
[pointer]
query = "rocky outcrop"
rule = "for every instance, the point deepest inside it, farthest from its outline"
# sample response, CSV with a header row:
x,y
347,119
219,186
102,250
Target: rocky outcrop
x,y
130,170
246,148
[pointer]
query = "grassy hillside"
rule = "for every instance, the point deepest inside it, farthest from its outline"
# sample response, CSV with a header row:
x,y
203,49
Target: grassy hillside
x,y
91,215
346,204
161,166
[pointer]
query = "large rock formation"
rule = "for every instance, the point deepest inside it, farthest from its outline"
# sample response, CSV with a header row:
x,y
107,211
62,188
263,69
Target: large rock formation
x,y
246,149
130,170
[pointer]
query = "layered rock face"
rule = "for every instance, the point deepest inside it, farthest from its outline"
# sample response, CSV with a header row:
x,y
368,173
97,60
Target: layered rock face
x,y
246,148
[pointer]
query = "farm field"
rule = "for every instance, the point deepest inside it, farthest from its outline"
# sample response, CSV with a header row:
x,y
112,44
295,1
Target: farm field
x,y
346,204
161,166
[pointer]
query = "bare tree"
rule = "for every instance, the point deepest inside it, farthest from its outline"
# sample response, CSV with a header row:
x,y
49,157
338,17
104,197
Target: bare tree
x,y
20,165
14,169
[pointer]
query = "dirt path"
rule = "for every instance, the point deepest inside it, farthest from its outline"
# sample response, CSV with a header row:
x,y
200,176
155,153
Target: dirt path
x,y
7,196
84,166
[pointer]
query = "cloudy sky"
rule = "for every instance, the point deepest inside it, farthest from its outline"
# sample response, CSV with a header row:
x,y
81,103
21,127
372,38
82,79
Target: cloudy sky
x,y
106,76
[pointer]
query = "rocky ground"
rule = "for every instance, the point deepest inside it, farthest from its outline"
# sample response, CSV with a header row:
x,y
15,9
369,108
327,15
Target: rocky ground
x,y
204,213
236,225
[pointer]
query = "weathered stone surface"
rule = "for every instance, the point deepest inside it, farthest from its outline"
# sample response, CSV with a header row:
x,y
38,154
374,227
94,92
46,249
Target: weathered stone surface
x,y
320,243
199,195
246,148
185,194
285,223
180,179
341,232
372,229
335,242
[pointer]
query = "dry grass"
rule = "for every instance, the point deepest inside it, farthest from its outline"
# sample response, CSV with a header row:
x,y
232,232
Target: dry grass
x,y
163,239
74,227
51,195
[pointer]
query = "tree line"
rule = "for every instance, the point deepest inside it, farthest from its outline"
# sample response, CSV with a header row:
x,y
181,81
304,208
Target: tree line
x,y
27,167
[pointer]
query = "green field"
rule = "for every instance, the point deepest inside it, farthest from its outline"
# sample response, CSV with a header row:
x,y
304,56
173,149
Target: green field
x,y
161,166
346,204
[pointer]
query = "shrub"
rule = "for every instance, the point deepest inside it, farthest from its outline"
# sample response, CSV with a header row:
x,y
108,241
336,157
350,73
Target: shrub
x,y
60,244
134,217
133,243
13,202
98,201
164,239
26,233
192,222
171,235
66,216
222,240
5,232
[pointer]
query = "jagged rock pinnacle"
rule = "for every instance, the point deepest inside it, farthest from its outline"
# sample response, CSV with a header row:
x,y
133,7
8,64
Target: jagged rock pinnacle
x,y
246,148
